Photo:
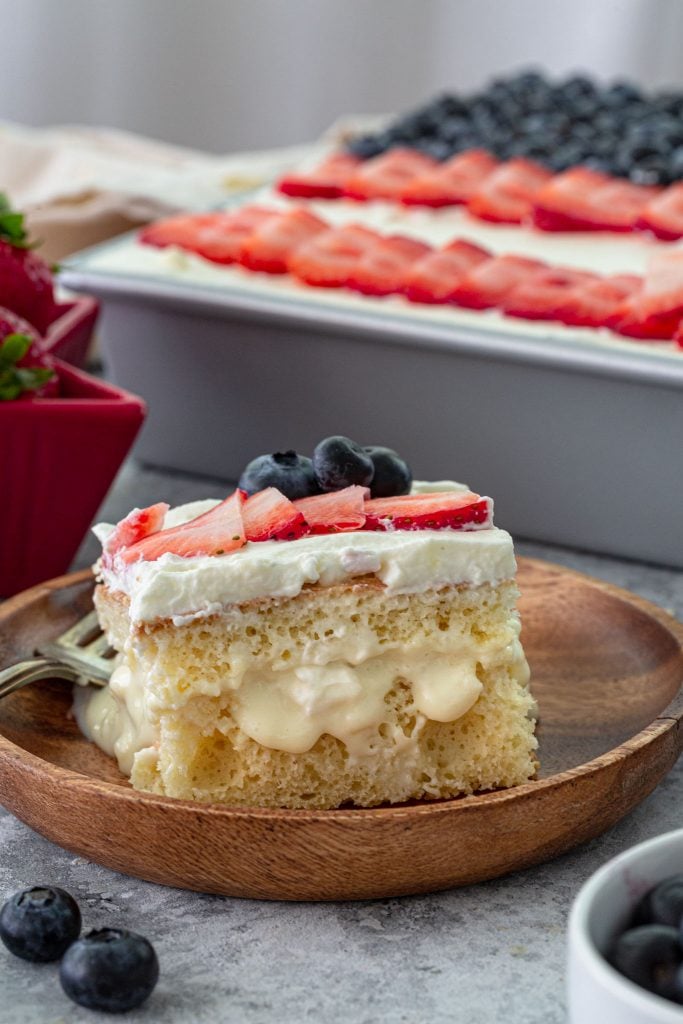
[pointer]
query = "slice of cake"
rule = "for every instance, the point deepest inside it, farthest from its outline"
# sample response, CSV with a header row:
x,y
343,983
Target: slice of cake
x,y
333,650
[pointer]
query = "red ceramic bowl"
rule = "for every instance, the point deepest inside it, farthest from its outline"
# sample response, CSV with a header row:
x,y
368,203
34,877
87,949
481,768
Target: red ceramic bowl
x,y
58,458
69,335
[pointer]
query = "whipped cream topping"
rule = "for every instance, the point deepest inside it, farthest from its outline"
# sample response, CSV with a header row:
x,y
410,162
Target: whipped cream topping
x,y
182,589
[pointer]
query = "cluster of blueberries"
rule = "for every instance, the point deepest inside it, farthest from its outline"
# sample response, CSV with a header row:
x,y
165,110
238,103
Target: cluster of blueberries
x,y
650,951
613,128
108,969
337,462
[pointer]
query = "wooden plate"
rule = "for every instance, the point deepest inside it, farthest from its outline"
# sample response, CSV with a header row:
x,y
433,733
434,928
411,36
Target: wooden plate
x,y
607,668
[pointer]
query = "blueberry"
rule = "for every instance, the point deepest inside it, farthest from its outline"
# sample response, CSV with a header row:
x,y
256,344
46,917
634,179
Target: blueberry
x,y
109,969
39,924
676,164
366,146
392,475
292,474
651,956
663,904
339,462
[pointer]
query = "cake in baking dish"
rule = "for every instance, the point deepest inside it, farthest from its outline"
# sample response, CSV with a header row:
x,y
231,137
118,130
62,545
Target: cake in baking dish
x,y
333,650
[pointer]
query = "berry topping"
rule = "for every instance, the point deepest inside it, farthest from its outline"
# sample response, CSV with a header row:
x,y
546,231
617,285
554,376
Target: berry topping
x,y
386,176
328,260
110,969
382,269
24,367
651,956
214,236
488,283
506,196
663,904
214,533
267,249
25,279
339,462
433,278
268,515
292,474
326,181
442,510
392,475
335,512
451,183
39,924
138,524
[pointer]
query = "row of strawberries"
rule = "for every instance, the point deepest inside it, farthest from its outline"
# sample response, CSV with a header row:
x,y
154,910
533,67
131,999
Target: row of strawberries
x,y
513,192
269,515
298,242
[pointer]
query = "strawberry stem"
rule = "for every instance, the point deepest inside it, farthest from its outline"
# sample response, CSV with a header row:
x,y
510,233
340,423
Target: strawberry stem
x,y
14,379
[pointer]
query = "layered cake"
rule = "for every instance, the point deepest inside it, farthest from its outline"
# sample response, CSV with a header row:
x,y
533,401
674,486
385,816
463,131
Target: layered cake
x,y
319,651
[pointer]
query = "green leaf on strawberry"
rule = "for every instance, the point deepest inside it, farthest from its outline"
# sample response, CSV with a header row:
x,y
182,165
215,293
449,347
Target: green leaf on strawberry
x,y
15,380
12,225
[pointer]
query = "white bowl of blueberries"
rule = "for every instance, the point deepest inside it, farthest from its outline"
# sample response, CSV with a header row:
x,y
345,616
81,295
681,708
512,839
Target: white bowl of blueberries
x,y
626,938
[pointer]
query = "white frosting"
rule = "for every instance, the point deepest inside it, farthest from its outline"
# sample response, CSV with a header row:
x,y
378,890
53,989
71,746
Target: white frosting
x,y
183,589
603,252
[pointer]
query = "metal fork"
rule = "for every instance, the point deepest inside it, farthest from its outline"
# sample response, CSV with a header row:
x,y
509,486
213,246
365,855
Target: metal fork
x,y
82,655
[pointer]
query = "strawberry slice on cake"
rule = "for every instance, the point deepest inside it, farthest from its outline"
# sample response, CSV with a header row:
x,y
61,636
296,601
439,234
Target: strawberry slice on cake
x,y
582,199
451,183
381,270
214,236
216,532
433,278
663,215
489,283
445,510
655,310
543,294
386,176
593,303
506,196
329,259
326,181
267,249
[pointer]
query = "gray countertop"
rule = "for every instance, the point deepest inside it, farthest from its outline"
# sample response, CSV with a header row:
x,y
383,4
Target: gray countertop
x,y
489,953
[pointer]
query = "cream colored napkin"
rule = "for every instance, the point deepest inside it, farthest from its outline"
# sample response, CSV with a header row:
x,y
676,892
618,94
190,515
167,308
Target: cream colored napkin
x,y
82,185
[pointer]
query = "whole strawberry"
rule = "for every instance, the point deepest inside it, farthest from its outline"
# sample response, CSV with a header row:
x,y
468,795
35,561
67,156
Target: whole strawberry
x,y
25,370
25,279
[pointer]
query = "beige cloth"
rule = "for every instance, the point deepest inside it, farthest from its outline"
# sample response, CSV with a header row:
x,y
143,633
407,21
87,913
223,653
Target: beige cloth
x,y
79,186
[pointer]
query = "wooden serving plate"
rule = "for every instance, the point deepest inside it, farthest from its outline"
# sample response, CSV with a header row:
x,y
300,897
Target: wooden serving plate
x,y
607,669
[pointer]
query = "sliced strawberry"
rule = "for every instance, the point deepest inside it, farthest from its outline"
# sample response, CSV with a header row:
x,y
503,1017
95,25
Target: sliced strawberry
x,y
214,236
214,533
491,281
268,515
593,304
663,215
336,512
678,336
541,295
269,246
381,269
386,176
140,523
326,181
654,310
328,260
433,278
452,182
581,199
442,510
506,196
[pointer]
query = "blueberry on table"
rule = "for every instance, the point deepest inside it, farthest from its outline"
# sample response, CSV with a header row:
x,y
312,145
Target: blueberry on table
x,y
650,956
109,969
663,904
392,475
39,924
339,462
292,474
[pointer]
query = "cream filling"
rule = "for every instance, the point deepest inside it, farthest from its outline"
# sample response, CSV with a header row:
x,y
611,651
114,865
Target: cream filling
x,y
291,708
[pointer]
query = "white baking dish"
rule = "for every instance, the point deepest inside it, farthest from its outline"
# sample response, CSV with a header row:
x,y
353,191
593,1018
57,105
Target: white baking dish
x,y
577,435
